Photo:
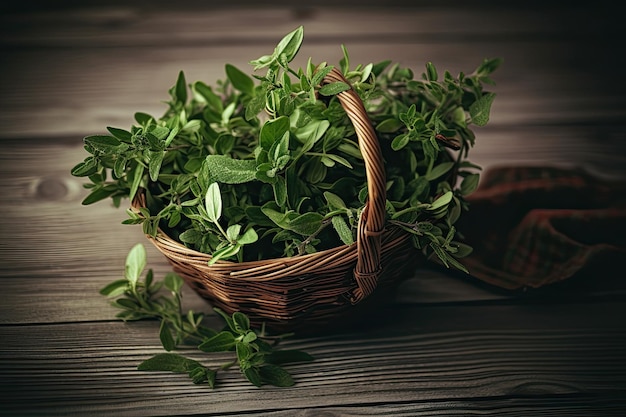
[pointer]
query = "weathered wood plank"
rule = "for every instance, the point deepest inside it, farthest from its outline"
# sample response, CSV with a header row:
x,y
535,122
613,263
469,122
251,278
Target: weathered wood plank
x,y
103,65
130,24
91,90
414,356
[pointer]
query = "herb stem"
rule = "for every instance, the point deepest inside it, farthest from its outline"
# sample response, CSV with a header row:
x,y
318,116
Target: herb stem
x,y
305,242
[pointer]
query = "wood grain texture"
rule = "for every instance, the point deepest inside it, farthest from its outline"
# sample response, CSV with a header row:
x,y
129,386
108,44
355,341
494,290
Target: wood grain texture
x,y
99,66
444,346
450,354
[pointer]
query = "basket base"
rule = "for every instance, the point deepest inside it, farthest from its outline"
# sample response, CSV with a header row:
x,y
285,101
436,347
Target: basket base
x,y
300,293
336,313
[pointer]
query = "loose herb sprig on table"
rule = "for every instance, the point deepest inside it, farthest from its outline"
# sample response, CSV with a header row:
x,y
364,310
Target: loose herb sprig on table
x,y
269,166
255,352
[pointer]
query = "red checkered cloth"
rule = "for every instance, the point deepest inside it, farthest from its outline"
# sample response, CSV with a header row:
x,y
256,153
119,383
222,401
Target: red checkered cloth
x,y
532,226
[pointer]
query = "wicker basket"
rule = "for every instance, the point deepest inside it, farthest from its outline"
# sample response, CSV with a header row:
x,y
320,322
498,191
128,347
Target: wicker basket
x,y
312,289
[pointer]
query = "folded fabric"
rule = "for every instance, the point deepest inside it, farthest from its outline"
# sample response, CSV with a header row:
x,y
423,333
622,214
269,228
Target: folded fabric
x,y
533,226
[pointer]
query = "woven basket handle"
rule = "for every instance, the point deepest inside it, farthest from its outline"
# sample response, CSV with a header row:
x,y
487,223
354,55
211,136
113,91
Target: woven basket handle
x,y
372,220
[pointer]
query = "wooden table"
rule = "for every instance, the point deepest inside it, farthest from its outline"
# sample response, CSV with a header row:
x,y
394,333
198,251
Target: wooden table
x,y
446,345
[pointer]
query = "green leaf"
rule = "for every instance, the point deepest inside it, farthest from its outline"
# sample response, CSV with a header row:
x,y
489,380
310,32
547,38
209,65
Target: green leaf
x,y
262,62
213,202
379,67
181,88
280,190
170,137
202,375
280,150
431,72
441,202
207,94
243,352
232,233
126,303
228,112
221,342
255,106
249,236
389,125
240,80
480,109
154,166
462,249
345,61
279,218
439,170
173,282
143,118
469,184
249,337
241,322
121,134
227,170
165,335
171,362
225,252
320,74
252,375
98,194
400,141
86,168
448,259
160,133
488,66
367,71
136,261
310,133
272,131
135,176
115,288
343,230
119,167
275,375
102,143
327,161
191,236
334,88
290,44
306,224
284,52
225,316
338,159
334,201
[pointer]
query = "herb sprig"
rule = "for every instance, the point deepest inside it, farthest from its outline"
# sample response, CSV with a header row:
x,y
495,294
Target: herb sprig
x,y
255,352
266,166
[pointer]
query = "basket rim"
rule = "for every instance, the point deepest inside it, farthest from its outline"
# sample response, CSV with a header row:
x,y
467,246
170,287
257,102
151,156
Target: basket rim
x,y
163,238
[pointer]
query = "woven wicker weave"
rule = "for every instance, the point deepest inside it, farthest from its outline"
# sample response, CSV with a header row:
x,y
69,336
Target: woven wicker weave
x,y
290,292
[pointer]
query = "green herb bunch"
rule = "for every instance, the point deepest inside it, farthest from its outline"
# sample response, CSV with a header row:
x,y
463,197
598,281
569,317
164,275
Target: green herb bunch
x,y
265,166
255,352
